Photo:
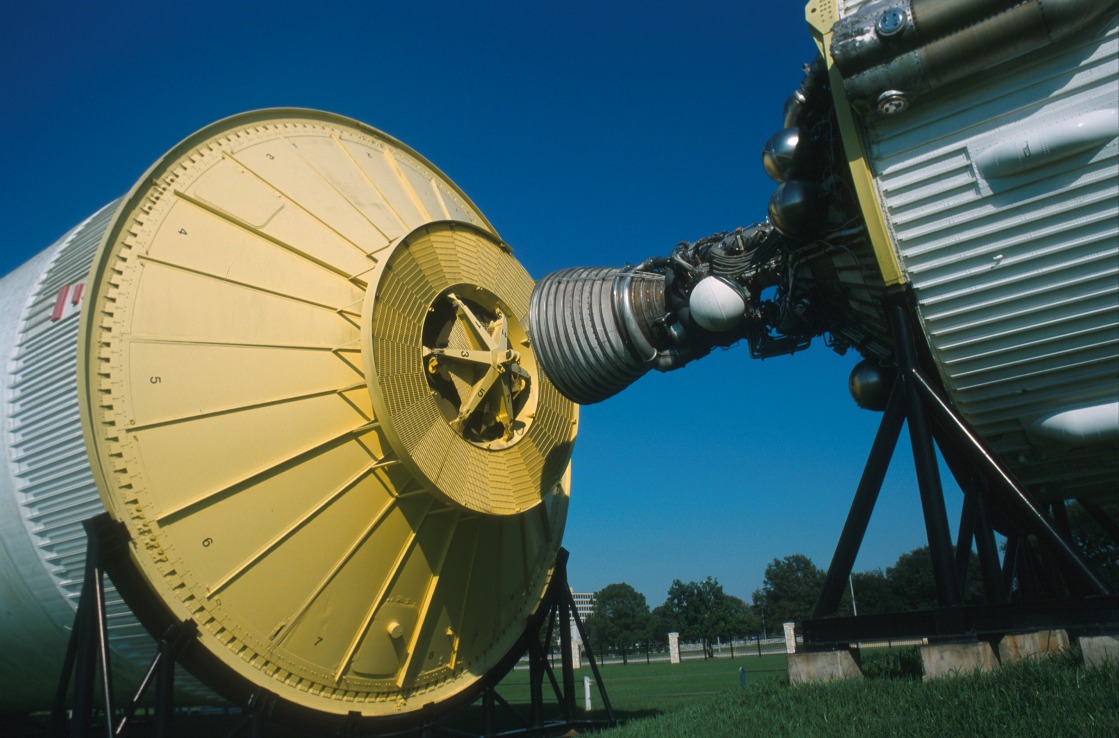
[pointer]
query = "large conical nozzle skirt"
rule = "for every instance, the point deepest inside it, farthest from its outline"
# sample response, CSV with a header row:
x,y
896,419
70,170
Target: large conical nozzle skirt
x,y
310,400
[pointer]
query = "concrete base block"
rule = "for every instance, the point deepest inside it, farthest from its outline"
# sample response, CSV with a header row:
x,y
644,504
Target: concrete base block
x,y
1099,650
1031,645
824,666
945,659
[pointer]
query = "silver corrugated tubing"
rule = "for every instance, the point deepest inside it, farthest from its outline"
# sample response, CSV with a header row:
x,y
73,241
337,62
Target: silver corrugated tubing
x,y
592,329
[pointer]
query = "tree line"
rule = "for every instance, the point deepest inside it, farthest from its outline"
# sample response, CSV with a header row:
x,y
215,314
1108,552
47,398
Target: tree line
x,y
702,612
622,621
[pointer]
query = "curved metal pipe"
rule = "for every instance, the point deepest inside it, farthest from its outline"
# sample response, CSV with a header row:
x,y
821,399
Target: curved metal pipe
x,y
939,42
882,30
624,309
934,18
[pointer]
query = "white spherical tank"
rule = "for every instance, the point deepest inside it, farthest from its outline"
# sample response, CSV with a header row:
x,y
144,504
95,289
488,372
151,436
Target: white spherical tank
x,y
717,305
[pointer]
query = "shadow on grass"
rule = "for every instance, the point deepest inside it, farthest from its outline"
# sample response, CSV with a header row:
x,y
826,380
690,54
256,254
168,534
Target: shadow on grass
x,y
472,720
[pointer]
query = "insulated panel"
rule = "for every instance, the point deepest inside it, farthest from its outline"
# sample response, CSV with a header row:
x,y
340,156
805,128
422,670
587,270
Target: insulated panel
x,y
1002,196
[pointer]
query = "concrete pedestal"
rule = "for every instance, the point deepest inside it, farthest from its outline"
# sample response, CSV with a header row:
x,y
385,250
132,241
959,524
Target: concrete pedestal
x,y
1020,646
824,666
945,659
1099,650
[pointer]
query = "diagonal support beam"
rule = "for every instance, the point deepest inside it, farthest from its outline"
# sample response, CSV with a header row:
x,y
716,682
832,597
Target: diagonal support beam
x,y
924,459
874,473
1007,491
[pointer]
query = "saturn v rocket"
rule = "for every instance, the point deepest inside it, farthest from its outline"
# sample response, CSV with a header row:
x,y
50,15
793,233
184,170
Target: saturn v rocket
x,y
330,417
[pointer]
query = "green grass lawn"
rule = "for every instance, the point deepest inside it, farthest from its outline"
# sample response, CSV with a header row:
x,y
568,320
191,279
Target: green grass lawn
x,y
1048,698
642,689
636,691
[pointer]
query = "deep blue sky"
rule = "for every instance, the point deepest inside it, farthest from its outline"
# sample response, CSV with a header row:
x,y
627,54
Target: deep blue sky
x,y
589,133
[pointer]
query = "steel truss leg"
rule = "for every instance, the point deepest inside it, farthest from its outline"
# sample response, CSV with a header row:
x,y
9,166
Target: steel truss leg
x,y
964,538
1006,490
162,673
983,481
558,611
993,583
536,660
88,657
874,473
563,606
488,711
87,654
904,405
565,593
924,458
568,663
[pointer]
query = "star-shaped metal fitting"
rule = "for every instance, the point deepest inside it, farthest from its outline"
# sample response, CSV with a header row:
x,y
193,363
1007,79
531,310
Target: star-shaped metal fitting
x,y
486,373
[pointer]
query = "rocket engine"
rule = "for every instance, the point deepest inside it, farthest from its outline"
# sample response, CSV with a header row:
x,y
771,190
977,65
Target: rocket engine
x,y
978,189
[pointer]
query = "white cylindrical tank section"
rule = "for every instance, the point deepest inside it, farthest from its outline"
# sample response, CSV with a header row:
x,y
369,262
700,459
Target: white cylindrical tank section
x,y
46,488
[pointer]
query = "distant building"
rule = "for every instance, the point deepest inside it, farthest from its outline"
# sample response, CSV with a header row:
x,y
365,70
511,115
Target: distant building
x,y
584,604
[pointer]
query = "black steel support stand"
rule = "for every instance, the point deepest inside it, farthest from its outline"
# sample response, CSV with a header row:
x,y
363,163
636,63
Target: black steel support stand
x,y
1007,492
566,660
557,611
93,712
866,495
915,401
924,458
996,587
568,602
87,655
562,612
87,659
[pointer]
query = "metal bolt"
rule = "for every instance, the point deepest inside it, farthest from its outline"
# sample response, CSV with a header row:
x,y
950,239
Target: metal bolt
x,y
892,102
891,22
